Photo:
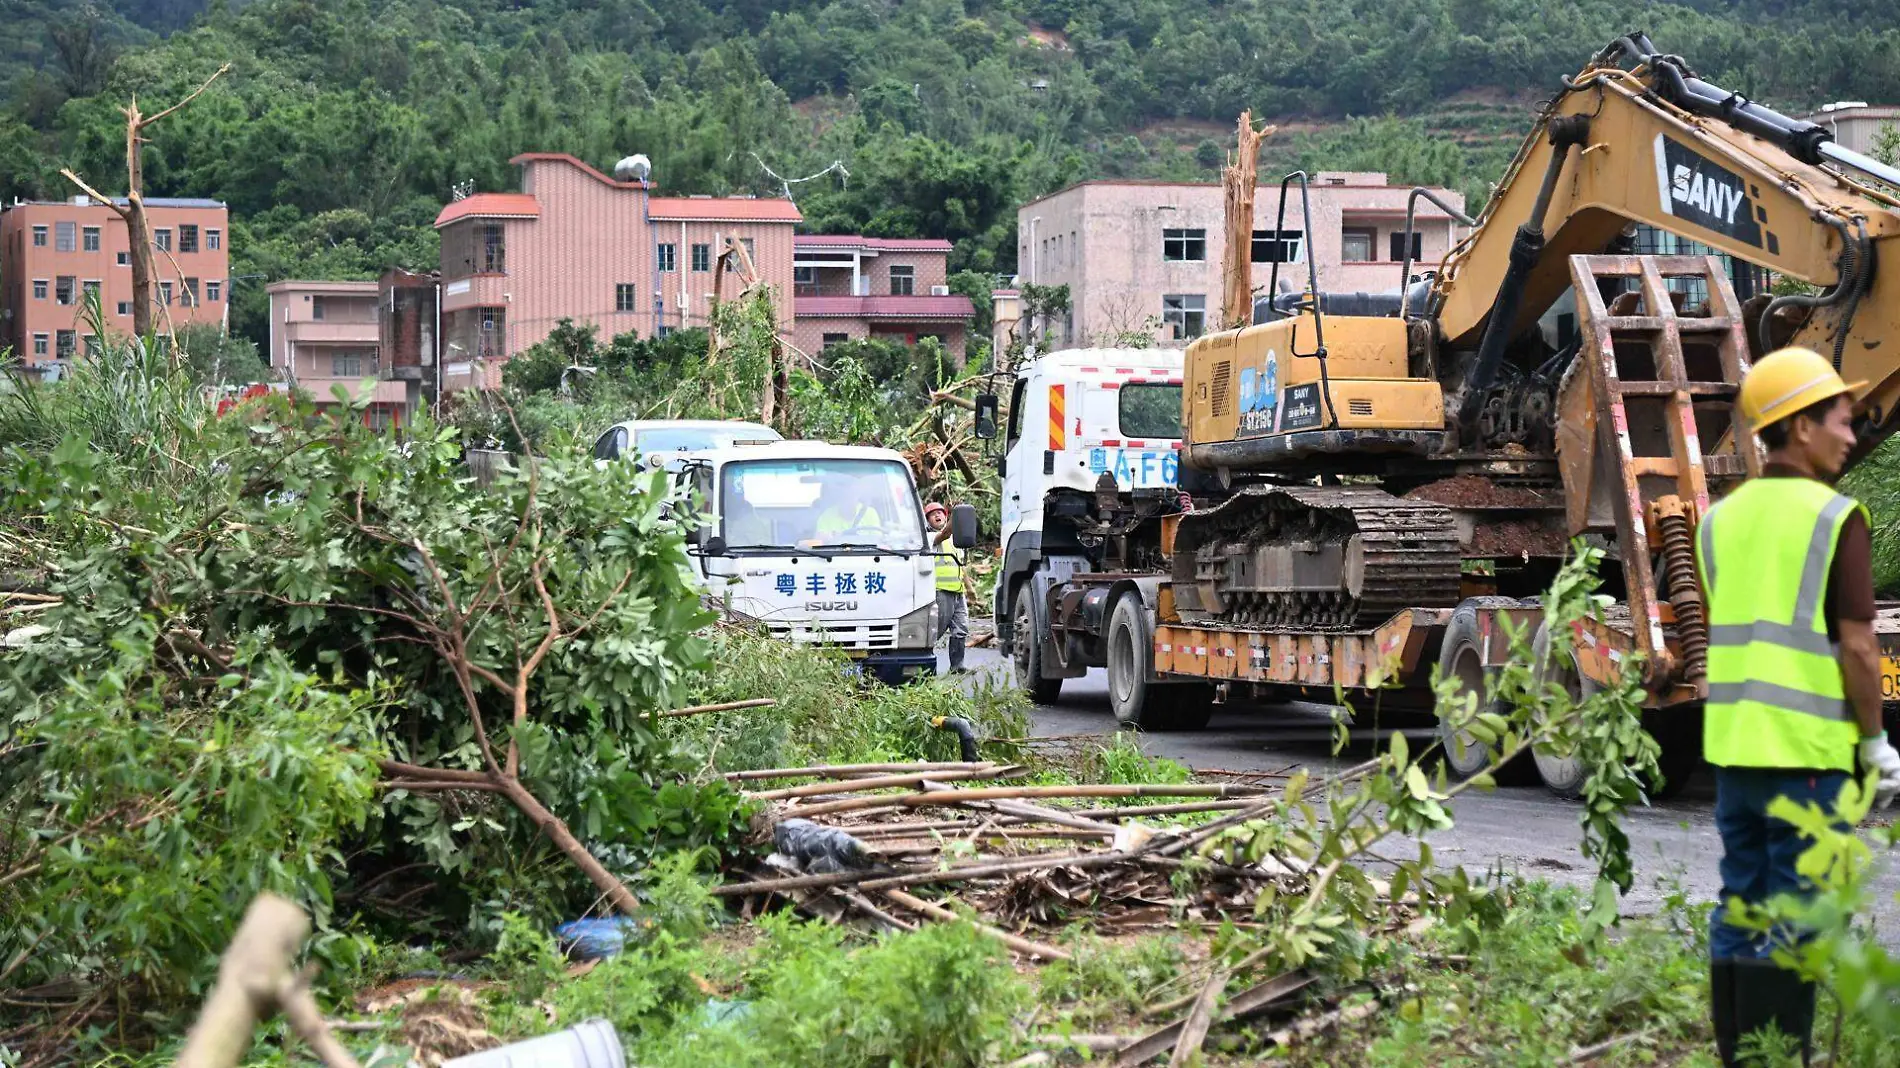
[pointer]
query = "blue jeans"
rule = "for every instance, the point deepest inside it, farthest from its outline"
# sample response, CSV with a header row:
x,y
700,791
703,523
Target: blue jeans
x,y
1759,851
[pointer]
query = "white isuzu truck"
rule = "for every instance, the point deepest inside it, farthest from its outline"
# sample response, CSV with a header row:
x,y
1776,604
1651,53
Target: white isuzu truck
x,y
825,544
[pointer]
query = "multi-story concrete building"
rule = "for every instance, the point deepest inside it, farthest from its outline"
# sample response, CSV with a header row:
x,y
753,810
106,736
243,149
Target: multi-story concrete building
x,y
847,288
1145,257
54,253
577,244
325,335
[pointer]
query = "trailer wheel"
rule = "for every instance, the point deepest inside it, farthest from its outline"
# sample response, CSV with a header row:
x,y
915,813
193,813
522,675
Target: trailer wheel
x,y
1135,698
1461,656
1026,648
1562,775
1679,732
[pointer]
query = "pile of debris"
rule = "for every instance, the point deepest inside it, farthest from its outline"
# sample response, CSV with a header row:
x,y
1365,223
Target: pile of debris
x,y
862,843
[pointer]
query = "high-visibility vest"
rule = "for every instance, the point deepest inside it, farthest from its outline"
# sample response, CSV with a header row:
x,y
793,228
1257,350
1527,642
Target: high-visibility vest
x,y
950,568
1776,695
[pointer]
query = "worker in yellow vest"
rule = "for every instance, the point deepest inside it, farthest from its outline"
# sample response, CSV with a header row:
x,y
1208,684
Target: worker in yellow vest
x,y
1794,671
953,610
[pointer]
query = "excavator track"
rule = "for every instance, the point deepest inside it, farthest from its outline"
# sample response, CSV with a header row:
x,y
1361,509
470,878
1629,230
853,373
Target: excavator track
x,y
1314,558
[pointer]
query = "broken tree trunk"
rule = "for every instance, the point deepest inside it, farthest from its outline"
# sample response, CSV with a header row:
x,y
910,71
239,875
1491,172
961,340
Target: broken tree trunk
x,y
1238,181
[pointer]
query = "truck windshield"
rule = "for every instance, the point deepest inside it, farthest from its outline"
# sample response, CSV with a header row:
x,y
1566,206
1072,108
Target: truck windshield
x,y
843,505
1150,410
698,438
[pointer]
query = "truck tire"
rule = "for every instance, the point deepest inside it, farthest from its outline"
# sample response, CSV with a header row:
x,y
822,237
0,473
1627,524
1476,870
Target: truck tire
x,y
1562,776
1679,732
1025,631
1460,656
1133,696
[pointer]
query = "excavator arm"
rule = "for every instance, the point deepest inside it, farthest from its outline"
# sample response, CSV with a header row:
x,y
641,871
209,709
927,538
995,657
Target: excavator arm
x,y
1653,144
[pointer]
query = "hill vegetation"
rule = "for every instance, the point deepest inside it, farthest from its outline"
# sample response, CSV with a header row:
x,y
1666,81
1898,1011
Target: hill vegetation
x,y
347,123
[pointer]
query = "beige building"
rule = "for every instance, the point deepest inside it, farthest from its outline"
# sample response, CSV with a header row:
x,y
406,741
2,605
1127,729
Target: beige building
x,y
848,288
1143,257
1855,123
54,253
326,334
577,244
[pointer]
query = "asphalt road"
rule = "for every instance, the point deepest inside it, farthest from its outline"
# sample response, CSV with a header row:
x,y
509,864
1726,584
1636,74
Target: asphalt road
x,y
1523,830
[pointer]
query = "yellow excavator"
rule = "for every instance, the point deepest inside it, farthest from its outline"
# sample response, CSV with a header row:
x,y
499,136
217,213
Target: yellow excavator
x,y
1358,457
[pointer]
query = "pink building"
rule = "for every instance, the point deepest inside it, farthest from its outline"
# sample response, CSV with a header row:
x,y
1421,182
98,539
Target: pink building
x,y
576,244
1145,257
53,253
847,288
325,335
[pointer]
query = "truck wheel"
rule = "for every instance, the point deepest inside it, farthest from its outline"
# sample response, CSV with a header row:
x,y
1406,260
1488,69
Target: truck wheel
x,y
1461,657
1026,645
1132,693
1562,775
1679,732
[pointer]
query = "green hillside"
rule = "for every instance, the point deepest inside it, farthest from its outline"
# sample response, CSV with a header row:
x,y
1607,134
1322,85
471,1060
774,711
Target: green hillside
x,y
345,123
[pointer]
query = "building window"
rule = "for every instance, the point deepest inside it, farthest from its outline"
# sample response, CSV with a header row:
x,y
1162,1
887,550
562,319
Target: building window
x,y
347,366
316,308
667,256
187,237
836,339
162,238
39,344
39,289
1184,245
1278,246
92,345
124,258
165,294
1398,246
903,281
750,252
89,238
65,237
191,292
214,291
1185,313
214,239
64,289
1356,244
92,288
39,237
667,331
492,326
805,276
125,307
623,297
494,250
702,258
63,343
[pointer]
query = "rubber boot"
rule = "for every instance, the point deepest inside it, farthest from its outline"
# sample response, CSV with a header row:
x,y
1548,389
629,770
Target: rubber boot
x,y
1768,995
956,654
1722,1008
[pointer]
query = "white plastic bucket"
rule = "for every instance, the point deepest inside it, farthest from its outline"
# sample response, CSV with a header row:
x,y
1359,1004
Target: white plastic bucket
x,y
592,1044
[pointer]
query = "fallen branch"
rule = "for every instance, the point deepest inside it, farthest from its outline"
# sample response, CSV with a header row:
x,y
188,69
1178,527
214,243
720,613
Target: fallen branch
x,y
1194,1028
256,979
1246,1003
842,771
727,706
1010,793
883,782
938,912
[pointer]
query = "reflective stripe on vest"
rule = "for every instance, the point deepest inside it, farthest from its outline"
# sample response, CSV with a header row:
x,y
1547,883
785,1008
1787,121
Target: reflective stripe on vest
x,y
1776,696
950,568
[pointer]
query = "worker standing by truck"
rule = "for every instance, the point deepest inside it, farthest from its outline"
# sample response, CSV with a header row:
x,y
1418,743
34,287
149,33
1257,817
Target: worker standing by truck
x,y
1793,671
953,610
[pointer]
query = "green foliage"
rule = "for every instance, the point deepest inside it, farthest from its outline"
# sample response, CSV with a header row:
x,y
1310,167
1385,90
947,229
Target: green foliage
x,y
1106,980
941,996
1875,482
212,358
1122,761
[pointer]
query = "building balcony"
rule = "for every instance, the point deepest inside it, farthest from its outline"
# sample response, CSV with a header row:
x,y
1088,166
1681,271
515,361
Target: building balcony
x,y
913,308
475,291
382,391
329,332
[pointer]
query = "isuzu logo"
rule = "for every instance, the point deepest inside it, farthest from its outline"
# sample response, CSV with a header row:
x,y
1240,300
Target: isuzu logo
x,y
831,606
1701,191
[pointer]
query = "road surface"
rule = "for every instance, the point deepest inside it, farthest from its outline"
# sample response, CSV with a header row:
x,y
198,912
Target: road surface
x,y
1523,830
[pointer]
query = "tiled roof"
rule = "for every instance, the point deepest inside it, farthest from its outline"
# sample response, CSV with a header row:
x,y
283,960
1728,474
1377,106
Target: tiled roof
x,y
489,205
954,306
873,244
722,209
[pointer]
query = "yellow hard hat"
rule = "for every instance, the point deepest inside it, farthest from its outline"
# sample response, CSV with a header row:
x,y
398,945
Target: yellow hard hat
x,y
1785,382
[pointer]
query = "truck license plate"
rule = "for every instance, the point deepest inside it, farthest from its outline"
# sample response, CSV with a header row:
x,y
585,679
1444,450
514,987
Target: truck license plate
x,y
1889,680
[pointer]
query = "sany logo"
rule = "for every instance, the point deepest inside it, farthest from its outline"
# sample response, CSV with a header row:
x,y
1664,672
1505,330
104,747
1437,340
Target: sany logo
x,y
1687,186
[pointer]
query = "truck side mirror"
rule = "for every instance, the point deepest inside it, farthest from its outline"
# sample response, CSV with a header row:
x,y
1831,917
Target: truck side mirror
x,y
963,526
707,542
986,408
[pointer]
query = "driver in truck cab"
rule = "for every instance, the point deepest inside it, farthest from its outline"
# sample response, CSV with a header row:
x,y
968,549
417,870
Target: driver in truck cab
x,y
1793,673
845,514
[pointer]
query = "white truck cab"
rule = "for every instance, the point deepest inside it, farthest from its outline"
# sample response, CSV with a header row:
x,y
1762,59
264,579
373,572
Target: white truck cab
x,y
822,543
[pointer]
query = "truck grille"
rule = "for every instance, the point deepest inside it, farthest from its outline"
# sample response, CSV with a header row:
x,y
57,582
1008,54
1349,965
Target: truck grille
x,y
842,635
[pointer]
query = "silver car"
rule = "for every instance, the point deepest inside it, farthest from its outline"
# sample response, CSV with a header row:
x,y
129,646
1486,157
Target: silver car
x,y
665,442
